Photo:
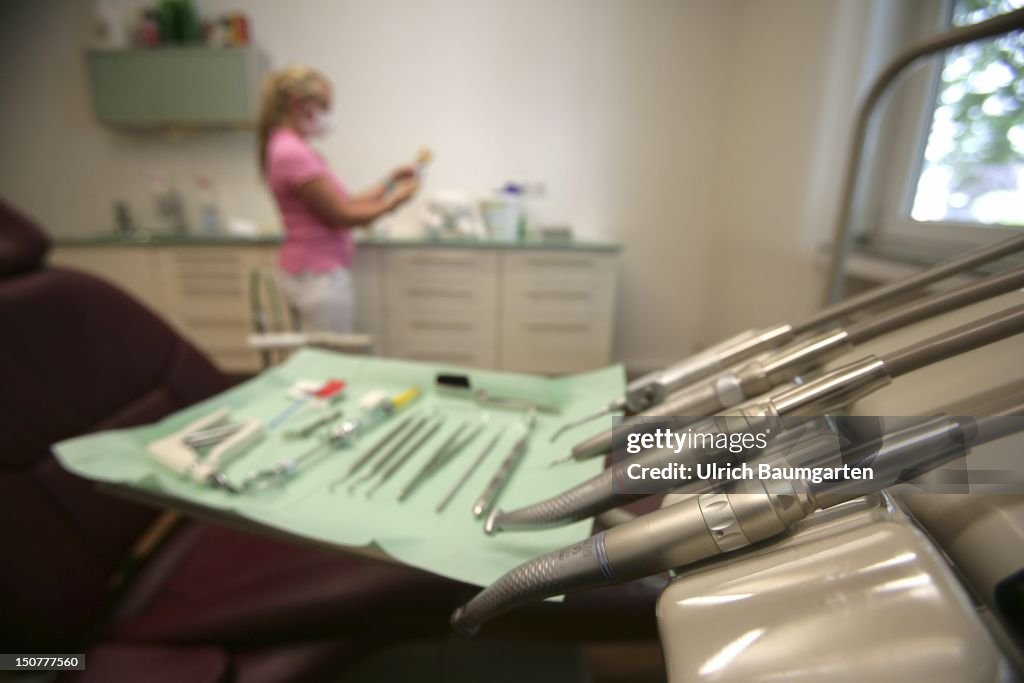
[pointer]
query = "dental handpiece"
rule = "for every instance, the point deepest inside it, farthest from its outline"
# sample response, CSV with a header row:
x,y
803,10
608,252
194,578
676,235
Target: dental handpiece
x,y
651,389
836,389
763,374
703,526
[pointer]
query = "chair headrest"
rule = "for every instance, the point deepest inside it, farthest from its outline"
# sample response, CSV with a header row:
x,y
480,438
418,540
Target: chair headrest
x,y
23,245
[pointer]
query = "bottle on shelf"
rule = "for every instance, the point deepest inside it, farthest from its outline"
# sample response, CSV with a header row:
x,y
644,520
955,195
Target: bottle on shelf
x,y
211,218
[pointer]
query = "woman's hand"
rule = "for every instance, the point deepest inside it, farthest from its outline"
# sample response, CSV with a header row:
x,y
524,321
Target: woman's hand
x,y
401,173
403,192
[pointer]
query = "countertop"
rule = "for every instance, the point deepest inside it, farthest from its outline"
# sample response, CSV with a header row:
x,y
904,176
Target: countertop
x,y
191,240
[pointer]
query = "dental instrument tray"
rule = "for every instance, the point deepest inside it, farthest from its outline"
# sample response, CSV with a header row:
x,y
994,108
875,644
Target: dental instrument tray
x,y
404,518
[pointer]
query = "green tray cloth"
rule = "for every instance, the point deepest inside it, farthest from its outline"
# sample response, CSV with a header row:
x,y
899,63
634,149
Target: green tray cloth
x,y
452,543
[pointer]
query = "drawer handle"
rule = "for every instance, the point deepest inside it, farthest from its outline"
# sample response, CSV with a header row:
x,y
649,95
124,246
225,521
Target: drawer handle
x,y
558,294
558,327
229,323
435,261
205,254
232,292
439,325
560,262
447,356
208,276
440,293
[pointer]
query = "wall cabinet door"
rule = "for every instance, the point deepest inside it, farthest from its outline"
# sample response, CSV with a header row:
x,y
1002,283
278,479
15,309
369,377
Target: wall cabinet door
x,y
173,86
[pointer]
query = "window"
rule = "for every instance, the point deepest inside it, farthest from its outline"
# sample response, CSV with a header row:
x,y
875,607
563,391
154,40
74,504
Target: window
x,y
945,172
972,170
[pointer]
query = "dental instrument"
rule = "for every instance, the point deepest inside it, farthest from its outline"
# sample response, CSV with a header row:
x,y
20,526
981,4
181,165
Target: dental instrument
x,y
700,527
337,437
305,393
474,466
212,435
372,451
409,453
441,457
308,429
174,453
652,388
388,455
485,503
762,374
831,391
461,385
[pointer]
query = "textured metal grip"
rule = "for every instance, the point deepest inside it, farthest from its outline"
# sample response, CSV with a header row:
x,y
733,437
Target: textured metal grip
x,y
576,567
580,502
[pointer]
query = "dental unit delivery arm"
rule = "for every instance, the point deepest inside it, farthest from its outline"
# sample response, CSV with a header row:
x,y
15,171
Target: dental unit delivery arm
x,y
760,375
653,388
709,524
828,393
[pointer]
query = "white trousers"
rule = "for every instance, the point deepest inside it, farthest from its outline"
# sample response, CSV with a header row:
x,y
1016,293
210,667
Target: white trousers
x,y
320,302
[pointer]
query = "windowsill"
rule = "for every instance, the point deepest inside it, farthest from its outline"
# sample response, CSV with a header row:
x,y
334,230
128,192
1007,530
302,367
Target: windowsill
x,y
885,261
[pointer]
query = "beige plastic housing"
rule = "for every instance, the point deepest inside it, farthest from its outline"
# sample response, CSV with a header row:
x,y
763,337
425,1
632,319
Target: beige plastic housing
x,y
853,594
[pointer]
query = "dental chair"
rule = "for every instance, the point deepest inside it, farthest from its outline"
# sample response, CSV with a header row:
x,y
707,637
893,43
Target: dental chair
x,y
207,602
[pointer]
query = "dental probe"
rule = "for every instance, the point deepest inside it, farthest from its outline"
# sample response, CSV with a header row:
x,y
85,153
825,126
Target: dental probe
x,y
703,526
762,374
442,456
410,452
372,451
484,452
651,389
833,390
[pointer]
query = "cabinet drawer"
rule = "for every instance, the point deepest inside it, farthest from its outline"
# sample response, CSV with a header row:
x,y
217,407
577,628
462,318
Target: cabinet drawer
x,y
569,344
440,283
441,266
445,339
434,300
534,271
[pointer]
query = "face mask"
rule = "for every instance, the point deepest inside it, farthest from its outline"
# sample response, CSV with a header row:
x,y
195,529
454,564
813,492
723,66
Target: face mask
x,y
320,123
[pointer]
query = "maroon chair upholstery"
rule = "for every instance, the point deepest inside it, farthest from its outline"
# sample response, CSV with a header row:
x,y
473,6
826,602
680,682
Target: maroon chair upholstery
x,y
66,373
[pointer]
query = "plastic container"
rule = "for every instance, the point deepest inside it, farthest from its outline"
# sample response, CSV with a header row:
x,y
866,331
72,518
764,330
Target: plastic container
x,y
503,216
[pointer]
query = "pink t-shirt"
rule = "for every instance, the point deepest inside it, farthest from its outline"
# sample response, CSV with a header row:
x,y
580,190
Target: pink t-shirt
x,y
309,244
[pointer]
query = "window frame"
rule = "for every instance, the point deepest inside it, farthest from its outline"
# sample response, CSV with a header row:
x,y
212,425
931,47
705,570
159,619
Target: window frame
x,y
906,126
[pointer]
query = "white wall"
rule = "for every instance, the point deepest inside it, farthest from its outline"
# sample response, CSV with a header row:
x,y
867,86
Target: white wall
x,y
701,135
789,114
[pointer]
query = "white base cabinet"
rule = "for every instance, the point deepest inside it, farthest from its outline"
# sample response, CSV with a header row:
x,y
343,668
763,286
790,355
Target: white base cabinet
x,y
548,311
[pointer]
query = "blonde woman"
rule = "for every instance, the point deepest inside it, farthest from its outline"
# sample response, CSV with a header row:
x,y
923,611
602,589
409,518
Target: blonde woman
x,y
317,210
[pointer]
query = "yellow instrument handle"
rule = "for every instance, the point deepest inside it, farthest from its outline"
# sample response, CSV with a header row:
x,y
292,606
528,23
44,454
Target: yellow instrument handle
x,y
404,397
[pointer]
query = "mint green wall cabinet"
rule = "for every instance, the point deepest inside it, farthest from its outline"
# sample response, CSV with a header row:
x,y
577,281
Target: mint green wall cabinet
x,y
188,86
